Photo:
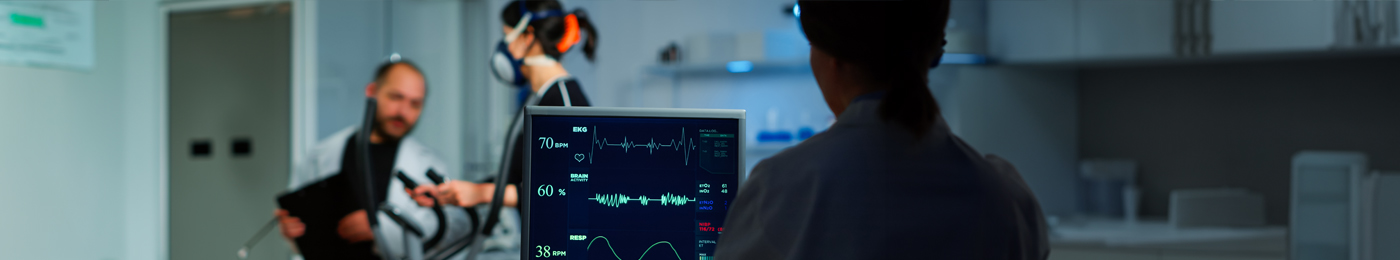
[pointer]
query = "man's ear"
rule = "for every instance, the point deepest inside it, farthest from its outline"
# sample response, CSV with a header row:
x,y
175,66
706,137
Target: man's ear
x,y
370,89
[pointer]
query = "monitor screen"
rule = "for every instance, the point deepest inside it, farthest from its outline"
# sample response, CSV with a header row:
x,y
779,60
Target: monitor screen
x,y
625,184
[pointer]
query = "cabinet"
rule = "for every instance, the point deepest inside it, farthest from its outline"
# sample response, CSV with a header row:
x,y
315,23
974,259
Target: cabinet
x,y
1124,29
1031,31
1240,27
1071,30
1057,31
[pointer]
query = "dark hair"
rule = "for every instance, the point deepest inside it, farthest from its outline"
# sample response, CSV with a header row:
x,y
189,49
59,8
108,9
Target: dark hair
x,y
384,68
549,31
892,42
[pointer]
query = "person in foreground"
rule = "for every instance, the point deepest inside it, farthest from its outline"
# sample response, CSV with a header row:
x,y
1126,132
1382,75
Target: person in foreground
x,y
888,180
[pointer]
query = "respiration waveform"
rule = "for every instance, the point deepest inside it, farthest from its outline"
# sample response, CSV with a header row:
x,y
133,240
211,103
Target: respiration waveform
x,y
616,200
644,253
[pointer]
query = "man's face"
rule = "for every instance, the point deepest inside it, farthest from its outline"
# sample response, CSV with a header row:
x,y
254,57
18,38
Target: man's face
x,y
400,95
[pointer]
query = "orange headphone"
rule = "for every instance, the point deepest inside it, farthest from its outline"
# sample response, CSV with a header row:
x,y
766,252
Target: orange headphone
x,y
571,34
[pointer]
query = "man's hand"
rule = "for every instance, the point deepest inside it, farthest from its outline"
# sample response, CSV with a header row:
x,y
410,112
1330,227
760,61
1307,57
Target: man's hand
x,y
355,227
467,194
421,193
464,193
291,227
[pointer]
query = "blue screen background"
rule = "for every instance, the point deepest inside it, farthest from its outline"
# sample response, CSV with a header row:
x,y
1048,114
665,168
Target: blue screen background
x,y
629,188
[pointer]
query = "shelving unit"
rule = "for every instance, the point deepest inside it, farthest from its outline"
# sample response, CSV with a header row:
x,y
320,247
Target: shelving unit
x,y
800,65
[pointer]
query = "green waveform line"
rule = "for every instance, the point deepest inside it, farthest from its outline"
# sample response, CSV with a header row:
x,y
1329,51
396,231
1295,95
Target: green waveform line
x,y
644,253
616,200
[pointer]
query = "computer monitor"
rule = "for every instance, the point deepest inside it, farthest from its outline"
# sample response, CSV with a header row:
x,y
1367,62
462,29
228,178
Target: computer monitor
x,y
629,183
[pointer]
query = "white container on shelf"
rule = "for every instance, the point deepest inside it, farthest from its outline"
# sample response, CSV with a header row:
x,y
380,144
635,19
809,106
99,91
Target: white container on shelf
x,y
1325,206
753,46
1104,186
1380,216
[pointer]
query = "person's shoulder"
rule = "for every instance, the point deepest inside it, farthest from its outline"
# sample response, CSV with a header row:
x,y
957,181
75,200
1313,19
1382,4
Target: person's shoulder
x,y
335,142
835,145
322,160
411,148
819,154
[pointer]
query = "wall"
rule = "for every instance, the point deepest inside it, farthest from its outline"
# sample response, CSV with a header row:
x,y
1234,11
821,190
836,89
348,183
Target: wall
x,y
145,200
351,41
1238,124
484,101
633,33
429,32
1027,115
81,153
355,37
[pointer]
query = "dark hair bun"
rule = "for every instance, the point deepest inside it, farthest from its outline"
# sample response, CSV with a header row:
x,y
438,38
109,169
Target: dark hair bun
x,y
549,31
893,42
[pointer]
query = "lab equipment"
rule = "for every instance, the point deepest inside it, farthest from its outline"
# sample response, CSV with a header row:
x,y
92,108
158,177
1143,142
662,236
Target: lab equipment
x,y
317,204
1104,186
1324,207
438,210
770,133
1218,207
1132,198
607,183
1381,227
248,246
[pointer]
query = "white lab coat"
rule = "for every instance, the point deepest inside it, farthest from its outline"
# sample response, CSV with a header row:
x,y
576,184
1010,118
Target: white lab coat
x,y
868,189
414,160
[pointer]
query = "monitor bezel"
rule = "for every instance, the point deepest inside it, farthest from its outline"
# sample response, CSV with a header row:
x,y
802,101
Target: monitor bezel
x,y
615,112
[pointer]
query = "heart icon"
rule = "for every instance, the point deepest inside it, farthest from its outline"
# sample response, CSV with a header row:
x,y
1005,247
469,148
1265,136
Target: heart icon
x,y
578,157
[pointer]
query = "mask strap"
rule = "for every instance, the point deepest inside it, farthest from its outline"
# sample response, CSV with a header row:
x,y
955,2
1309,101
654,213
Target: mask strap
x,y
519,28
539,60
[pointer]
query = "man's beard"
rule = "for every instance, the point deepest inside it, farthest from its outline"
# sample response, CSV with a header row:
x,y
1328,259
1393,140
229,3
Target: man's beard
x,y
381,127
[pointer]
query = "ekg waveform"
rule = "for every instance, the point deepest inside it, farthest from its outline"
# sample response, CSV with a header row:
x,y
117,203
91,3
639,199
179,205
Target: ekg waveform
x,y
683,145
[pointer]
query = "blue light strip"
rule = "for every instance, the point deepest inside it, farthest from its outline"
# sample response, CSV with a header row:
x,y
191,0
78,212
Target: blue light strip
x,y
962,58
739,66
742,66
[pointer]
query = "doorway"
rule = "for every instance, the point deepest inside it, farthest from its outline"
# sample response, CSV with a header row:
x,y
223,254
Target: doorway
x,y
230,112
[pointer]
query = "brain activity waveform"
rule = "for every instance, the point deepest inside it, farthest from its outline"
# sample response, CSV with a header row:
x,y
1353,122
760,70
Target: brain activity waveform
x,y
683,145
644,253
616,200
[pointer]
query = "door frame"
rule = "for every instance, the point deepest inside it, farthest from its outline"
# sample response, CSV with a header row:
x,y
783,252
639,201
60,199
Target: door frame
x,y
303,87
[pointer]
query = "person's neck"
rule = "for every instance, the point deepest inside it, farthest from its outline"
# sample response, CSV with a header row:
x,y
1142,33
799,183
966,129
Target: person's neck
x,y
846,98
541,75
